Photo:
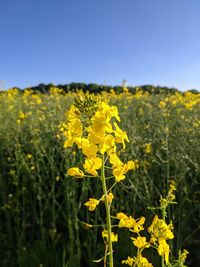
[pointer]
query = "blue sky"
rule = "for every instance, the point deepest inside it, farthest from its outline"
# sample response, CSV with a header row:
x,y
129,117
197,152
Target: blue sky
x,y
102,41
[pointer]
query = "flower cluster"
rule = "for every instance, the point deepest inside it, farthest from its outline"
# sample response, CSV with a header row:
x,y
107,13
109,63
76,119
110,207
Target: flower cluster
x,y
160,232
93,126
96,136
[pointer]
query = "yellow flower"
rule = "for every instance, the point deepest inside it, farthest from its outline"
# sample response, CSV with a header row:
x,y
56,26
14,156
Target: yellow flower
x,y
73,113
143,262
183,256
148,148
120,136
140,242
107,143
162,104
21,115
163,249
29,156
76,172
138,226
129,222
92,164
119,171
110,197
159,229
109,111
121,215
114,237
82,142
75,127
94,138
90,150
114,159
125,221
129,261
92,203
72,129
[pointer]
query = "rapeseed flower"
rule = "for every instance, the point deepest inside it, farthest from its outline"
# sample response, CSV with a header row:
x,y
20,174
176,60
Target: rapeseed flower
x,y
92,204
159,229
91,165
114,237
140,242
76,172
120,170
163,249
129,261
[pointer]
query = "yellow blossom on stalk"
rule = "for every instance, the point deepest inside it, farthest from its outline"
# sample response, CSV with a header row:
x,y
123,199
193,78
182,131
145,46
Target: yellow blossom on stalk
x,y
170,196
114,237
101,120
138,226
90,151
74,130
109,111
120,136
160,232
110,197
129,222
129,261
114,159
76,172
163,249
125,221
121,215
91,125
140,261
159,229
162,104
143,262
119,171
99,124
21,115
91,165
92,203
183,256
107,143
148,148
140,242
73,113
94,138
82,142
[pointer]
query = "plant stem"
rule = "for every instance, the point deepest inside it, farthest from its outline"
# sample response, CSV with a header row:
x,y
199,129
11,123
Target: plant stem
x,y
108,218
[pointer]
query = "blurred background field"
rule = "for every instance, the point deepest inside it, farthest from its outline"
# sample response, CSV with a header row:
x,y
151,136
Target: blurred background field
x,y
41,207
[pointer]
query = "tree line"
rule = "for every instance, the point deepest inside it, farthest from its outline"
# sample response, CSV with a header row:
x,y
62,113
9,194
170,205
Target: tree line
x,y
97,88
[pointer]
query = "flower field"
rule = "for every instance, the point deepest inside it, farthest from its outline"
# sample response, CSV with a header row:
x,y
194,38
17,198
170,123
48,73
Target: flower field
x,y
48,213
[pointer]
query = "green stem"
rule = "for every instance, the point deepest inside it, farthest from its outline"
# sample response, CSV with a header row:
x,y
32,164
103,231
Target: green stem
x,y
108,217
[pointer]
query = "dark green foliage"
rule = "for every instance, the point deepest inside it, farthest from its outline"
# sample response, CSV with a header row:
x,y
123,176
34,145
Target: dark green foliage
x,y
96,88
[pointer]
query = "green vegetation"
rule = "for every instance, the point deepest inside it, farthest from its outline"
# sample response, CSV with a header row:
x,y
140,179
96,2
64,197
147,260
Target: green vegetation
x,y
41,206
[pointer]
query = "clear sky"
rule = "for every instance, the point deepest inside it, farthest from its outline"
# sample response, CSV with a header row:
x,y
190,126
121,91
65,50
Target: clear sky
x,y
100,41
